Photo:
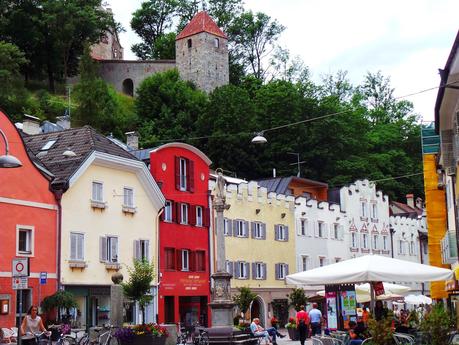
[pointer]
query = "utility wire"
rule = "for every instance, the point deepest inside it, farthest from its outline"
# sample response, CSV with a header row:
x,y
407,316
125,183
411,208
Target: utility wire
x,y
397,177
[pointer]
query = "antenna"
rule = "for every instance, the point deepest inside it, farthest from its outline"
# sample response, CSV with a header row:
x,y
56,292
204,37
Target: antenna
x,y
298,163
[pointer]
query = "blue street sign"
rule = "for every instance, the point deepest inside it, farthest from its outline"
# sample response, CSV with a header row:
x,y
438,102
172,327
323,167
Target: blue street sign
x,y
43,277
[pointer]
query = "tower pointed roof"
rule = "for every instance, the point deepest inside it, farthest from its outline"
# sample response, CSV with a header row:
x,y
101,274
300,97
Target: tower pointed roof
x,y
201,22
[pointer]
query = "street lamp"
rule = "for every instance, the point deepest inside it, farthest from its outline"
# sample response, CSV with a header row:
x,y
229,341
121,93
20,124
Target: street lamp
x,y
7,160
259,138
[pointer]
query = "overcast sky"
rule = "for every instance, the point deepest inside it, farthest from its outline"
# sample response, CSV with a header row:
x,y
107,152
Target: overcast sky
x,y
408,40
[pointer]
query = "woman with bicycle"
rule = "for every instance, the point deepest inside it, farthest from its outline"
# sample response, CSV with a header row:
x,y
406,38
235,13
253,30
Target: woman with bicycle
x,y
32,323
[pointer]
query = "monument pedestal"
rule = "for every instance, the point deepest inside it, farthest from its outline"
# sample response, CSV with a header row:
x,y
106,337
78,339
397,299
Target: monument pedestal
x,y
222,304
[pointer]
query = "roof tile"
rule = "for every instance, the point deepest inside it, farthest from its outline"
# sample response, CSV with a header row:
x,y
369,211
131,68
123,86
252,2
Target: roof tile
x,y
201,22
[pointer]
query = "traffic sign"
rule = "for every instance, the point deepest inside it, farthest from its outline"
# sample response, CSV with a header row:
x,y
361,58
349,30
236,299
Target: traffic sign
x,y
20,283
20,267
43,277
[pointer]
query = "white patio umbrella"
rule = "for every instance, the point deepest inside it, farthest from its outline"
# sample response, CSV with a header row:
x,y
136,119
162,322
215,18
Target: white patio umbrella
x,y
370,268
418,299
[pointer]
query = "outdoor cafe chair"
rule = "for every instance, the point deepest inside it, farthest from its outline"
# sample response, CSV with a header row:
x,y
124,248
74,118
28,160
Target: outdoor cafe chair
x,y
366,341
317,341
329,341
403,339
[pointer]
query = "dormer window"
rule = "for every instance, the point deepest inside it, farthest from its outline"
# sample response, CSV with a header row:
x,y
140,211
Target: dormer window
x,y
189,43
216,43
48,145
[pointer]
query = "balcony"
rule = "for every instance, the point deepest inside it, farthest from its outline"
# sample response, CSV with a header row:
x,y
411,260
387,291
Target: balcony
x,y
449,247
129,209
77,264
98,204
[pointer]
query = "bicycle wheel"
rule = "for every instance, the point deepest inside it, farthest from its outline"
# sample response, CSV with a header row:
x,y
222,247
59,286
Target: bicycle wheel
x,y
84,340
113,341
204,339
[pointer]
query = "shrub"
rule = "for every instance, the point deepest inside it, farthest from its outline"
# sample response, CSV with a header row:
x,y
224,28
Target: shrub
x,y
438,323
291,323
297,298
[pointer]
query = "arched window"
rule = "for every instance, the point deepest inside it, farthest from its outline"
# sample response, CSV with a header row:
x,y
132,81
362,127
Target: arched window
x,y
128,87
190,44
216,43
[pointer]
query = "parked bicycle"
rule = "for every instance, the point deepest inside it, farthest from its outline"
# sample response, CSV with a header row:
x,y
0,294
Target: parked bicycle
x,y
107,337
182,334
202,338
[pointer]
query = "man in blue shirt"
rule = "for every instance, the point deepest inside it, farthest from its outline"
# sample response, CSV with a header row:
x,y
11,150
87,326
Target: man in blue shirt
x,y
315,315
259,331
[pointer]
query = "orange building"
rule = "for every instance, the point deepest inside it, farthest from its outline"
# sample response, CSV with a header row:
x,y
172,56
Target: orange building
x,y
296,186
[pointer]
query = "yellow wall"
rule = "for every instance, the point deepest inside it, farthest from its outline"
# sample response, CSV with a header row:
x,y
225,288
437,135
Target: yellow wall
x,y
269,251
79,216
436,220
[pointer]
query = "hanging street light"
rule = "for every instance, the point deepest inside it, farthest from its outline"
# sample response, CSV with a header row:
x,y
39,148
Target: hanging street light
x,y
7,160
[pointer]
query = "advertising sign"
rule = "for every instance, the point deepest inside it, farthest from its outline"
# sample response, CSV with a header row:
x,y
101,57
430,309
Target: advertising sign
x,y
348,303
379,288
332,317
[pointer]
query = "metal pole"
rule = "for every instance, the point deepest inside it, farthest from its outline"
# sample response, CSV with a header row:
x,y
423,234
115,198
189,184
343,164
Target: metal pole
x,y
373,298
19,339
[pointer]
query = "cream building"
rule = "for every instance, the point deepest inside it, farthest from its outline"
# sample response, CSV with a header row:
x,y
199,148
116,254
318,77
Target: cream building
x,y
260,246
109,215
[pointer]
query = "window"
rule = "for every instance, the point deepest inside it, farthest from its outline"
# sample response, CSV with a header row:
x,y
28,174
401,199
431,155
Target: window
x,y
281,233
169,258
216,43
354,240
336,235
321,229
258,230
365,241
142,250
185,260
374,211
226,227
76,246
304,263
363,209
48,145
189,43
198,216
322,261
303,225
168,211
183,213
229,267
109,249
401,247
200,260
412,248
259,270
240,228
375,241
25,241
384,243
97,191
282,271
128,197
337,260
183,173
242,268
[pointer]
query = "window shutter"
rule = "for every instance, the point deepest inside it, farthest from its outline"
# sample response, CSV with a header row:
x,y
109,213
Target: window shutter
x,y
136,249
192,260
178,212
80,247
309,263
254,270
147,250
325,230
178,259
264,272
263,231
252,229
276,232
361,240
246,228
229,224
309,228
286,233
316,229
276,268
177,172
298,227
103,249
230,267
235,227
206,217
299,263
247,270
341,232
237,272
73,246
190,175
286,269
192,214
174,211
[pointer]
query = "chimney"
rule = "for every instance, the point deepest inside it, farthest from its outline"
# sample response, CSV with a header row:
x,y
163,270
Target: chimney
x,y
410,200
274,172
132,140
419,203
63,121
31,125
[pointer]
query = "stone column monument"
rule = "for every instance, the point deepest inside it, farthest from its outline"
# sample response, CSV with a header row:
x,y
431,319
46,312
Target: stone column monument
x,y
221,302
116,300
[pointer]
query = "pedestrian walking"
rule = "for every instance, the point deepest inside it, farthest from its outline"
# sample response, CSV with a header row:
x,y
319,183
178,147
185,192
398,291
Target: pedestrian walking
x,y
315,315
302,323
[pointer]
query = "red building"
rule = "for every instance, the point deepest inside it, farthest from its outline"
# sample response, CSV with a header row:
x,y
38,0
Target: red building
x,y
182,171
28,226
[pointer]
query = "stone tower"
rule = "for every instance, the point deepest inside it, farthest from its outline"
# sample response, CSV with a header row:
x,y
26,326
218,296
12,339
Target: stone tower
x,y
202,53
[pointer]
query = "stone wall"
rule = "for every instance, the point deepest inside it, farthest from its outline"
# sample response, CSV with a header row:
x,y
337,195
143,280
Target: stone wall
x,y
126,76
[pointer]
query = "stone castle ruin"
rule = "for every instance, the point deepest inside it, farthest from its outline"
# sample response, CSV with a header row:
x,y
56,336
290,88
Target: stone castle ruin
x,y
201,57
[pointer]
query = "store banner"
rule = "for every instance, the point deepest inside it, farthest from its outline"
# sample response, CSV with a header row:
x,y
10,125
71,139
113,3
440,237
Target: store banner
x,y
332,314
379,288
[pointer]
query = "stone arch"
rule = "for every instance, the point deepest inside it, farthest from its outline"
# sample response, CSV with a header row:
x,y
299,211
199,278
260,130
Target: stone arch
x,y
258,309
128,87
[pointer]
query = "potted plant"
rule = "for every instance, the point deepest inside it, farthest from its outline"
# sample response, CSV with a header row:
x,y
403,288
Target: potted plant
x,y
297,298
243,299
292,329
438,324
144,334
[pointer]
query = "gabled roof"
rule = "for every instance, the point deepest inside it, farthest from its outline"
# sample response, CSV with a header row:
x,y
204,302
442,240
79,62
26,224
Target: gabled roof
x,y
405,210
281,185
201,22
82,141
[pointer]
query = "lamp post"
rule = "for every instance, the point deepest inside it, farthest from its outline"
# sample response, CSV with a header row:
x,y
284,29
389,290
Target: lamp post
x,y
7,160
221,302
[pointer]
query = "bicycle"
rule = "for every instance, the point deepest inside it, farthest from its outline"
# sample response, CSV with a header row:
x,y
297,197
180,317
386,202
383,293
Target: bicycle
x,y
182,335
110,338
202,338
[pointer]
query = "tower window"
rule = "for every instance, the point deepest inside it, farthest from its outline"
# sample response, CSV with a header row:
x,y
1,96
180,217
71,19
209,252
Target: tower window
x,y
189,43
216,43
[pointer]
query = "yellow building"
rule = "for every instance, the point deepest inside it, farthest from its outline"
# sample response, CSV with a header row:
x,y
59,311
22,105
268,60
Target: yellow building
x,y
109,215
260,246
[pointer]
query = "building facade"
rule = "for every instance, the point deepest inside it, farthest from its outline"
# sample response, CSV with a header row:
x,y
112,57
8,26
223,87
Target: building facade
x,y
110,207
260,246
29,217
184,263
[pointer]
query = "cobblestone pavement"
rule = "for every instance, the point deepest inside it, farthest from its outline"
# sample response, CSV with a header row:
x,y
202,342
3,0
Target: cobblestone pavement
x,y
286,340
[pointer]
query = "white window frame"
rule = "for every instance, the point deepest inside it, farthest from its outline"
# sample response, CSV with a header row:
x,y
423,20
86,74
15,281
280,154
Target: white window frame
x,y
303,227
354,240
30,239
184,213
322,261
365,241
259,270
258,231
374,210
111,258
240,224
168,211
363,209
375,241
412,248
183,170
321,229
243,274
336,231
282,271
384,242
185,260
199,216
144,244
228,267
225,226
94,193
77,235
304,263
281,234
401,247
127,197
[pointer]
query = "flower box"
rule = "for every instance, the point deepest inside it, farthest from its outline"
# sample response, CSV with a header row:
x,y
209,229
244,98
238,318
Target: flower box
x,y
145,334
